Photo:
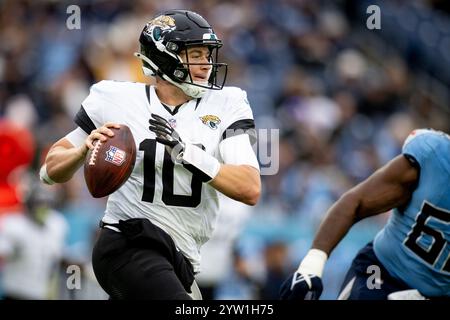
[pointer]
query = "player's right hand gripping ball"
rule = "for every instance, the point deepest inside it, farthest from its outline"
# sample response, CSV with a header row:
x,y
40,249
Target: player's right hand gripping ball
x,y
110,163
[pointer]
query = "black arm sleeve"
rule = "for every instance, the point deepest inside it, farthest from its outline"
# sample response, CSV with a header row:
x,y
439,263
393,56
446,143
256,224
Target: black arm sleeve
x,y
83,121
240,127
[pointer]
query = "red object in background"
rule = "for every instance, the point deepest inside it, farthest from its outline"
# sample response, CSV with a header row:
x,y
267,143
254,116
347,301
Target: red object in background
x,y
16,150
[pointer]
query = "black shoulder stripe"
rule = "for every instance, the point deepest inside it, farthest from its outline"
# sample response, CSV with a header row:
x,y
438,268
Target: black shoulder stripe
x,y
147,93
83,121
240,127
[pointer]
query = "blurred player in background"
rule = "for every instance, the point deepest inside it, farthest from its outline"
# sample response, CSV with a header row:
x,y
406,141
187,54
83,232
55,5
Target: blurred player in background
x,y
31,246
412,251
157,221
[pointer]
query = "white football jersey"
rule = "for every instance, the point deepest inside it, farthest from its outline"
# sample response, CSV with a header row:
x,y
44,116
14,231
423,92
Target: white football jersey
x,y
167,193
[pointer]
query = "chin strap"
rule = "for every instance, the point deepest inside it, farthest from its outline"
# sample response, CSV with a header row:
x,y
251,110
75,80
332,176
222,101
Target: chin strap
x,y
190,90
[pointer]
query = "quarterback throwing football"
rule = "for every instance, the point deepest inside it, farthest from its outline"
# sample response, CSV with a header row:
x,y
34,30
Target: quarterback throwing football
x,y
193,137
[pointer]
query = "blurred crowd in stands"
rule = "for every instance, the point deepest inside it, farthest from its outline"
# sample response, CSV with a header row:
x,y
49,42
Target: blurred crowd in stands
x,y
342,96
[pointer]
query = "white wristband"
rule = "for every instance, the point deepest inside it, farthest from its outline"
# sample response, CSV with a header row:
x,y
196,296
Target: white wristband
x,y
43,175
313,263
207,164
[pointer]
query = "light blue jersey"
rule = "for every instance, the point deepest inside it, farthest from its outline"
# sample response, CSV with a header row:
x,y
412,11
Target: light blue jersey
x,y
414,246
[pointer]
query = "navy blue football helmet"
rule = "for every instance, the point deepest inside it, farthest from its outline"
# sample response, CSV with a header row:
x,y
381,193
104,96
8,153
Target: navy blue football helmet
x,y
166,36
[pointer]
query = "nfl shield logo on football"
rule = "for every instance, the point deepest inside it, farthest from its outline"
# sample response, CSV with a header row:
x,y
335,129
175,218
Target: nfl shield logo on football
x,y
115,156
173,123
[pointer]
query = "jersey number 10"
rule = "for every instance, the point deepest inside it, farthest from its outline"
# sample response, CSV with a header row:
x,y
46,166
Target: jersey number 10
x,y
168,197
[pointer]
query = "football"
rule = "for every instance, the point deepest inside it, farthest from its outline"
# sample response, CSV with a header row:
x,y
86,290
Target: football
x,y
110,163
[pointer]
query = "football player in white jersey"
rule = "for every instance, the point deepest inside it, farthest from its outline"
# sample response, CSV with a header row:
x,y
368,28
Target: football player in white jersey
x,y
32,244
193,137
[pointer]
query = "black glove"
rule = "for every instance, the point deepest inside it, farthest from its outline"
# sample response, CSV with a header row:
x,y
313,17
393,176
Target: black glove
x,y
166,135
203,166
301,287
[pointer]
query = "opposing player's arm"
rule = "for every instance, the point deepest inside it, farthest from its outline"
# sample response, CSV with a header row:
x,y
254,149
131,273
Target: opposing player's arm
x,y
389,187
65,158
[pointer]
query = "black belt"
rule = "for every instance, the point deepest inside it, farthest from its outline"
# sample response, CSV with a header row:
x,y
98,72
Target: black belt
x,y
102,224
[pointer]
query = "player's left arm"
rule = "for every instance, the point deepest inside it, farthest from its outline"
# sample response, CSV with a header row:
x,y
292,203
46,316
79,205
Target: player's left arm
x,y
241,183
238,177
